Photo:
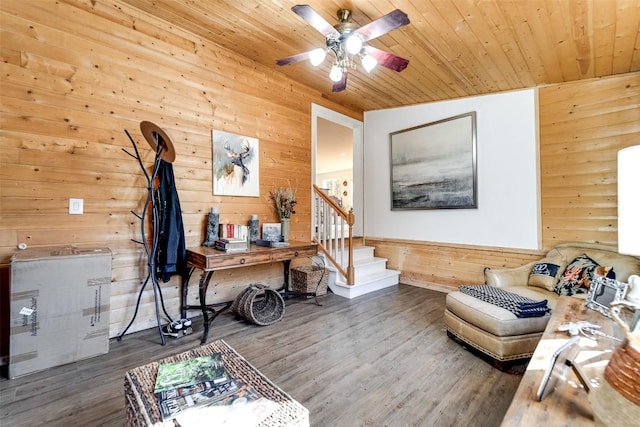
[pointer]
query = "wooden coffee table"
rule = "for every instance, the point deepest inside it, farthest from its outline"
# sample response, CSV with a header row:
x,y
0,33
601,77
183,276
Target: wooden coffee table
x,y
565,402
142,404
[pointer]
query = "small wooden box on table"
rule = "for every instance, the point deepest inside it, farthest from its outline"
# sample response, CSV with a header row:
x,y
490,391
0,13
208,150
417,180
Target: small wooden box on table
x,y
142,404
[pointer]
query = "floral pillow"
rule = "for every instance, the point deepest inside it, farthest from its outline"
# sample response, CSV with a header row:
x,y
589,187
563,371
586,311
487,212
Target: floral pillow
x,y
578,275
545,272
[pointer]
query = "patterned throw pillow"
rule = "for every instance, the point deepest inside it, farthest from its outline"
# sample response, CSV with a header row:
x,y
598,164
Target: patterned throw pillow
x,y
545,272
577,276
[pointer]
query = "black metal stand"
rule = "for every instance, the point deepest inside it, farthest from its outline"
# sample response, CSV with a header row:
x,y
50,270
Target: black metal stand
x,y
209,311
152,250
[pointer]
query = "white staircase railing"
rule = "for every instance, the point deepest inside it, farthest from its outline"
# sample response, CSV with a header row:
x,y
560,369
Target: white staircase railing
x,y
332,226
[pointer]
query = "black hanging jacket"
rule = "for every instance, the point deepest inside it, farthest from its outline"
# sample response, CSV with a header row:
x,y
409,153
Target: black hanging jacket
x,y
172,252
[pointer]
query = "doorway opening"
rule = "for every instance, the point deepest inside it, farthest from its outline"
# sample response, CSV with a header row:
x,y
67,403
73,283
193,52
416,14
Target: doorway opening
x,y
337,160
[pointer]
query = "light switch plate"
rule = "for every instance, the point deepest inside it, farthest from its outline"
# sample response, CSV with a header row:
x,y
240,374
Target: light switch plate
x,y
76,206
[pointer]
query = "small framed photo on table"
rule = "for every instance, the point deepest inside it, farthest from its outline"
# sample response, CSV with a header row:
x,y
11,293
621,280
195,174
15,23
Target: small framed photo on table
x,y
604,291
271,231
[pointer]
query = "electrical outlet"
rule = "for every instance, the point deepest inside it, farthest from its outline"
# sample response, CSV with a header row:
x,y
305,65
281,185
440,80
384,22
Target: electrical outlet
x,y
76,206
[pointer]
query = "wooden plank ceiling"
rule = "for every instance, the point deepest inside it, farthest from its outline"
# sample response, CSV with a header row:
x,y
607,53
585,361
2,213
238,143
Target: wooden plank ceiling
x,y
456,48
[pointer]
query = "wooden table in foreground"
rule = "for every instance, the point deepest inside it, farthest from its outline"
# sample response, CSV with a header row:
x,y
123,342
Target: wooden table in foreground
x,y
210,260
565,402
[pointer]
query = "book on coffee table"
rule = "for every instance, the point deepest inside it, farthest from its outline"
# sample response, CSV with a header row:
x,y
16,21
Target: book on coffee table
x,y
246,407
188,372
177,401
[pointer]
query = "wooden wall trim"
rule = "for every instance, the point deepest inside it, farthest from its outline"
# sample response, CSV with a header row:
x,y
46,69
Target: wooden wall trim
x,y
445,266
420,243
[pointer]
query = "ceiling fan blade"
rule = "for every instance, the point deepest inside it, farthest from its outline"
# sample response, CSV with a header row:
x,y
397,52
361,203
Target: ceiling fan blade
x,y
387,59
342,84
305,12
293,59
380,26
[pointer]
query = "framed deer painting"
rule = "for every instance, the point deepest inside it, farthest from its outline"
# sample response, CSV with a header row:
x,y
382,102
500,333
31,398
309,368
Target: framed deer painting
x,y
236,165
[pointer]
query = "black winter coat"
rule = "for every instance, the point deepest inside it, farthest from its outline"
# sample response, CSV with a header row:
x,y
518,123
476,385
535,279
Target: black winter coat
x,y
172,252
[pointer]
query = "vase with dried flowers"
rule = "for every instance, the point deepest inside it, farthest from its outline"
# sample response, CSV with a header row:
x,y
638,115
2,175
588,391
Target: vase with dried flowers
x,y
284,202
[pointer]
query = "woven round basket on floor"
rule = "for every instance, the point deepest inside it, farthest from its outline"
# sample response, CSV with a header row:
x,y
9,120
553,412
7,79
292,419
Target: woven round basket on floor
x,y
259,305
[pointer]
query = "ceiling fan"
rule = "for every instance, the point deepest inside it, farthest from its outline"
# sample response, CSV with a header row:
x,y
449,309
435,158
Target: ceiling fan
x,y
347,42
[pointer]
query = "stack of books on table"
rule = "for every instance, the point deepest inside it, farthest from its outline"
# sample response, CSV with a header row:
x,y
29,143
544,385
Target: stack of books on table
x,y
234,231
232,245
197,390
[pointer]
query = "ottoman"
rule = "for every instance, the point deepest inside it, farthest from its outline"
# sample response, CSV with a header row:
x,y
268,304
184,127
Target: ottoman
x,y
493,330
142,405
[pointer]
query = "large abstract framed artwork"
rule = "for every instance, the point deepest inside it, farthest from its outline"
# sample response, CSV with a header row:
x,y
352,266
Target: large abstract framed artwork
x,y
236,165
433,166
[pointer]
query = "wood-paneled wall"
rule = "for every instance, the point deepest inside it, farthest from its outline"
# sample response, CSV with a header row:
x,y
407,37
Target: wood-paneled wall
x,y
583,125
75,75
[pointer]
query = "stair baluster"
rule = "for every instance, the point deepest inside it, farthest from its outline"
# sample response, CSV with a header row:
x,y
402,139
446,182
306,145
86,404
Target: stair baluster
x,y
329,232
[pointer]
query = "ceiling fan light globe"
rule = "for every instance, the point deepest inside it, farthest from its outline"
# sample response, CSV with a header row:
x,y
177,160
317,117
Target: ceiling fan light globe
x,y
335,74
353,44
316,56
369,63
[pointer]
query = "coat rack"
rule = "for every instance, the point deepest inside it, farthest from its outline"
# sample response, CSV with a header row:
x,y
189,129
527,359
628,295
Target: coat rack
x,y
164,150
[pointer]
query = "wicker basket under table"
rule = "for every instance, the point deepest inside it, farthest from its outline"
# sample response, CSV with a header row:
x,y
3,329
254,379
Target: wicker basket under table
x,y
309,278
142,406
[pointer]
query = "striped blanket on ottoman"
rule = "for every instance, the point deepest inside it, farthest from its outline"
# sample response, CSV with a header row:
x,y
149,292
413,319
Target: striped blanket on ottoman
x,y
518,305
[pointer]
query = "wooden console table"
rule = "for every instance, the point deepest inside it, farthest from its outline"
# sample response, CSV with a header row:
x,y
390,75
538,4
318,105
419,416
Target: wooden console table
x,y
565,402
210,260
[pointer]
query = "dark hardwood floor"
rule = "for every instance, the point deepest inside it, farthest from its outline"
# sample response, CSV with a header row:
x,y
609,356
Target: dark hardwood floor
x,y
383,359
